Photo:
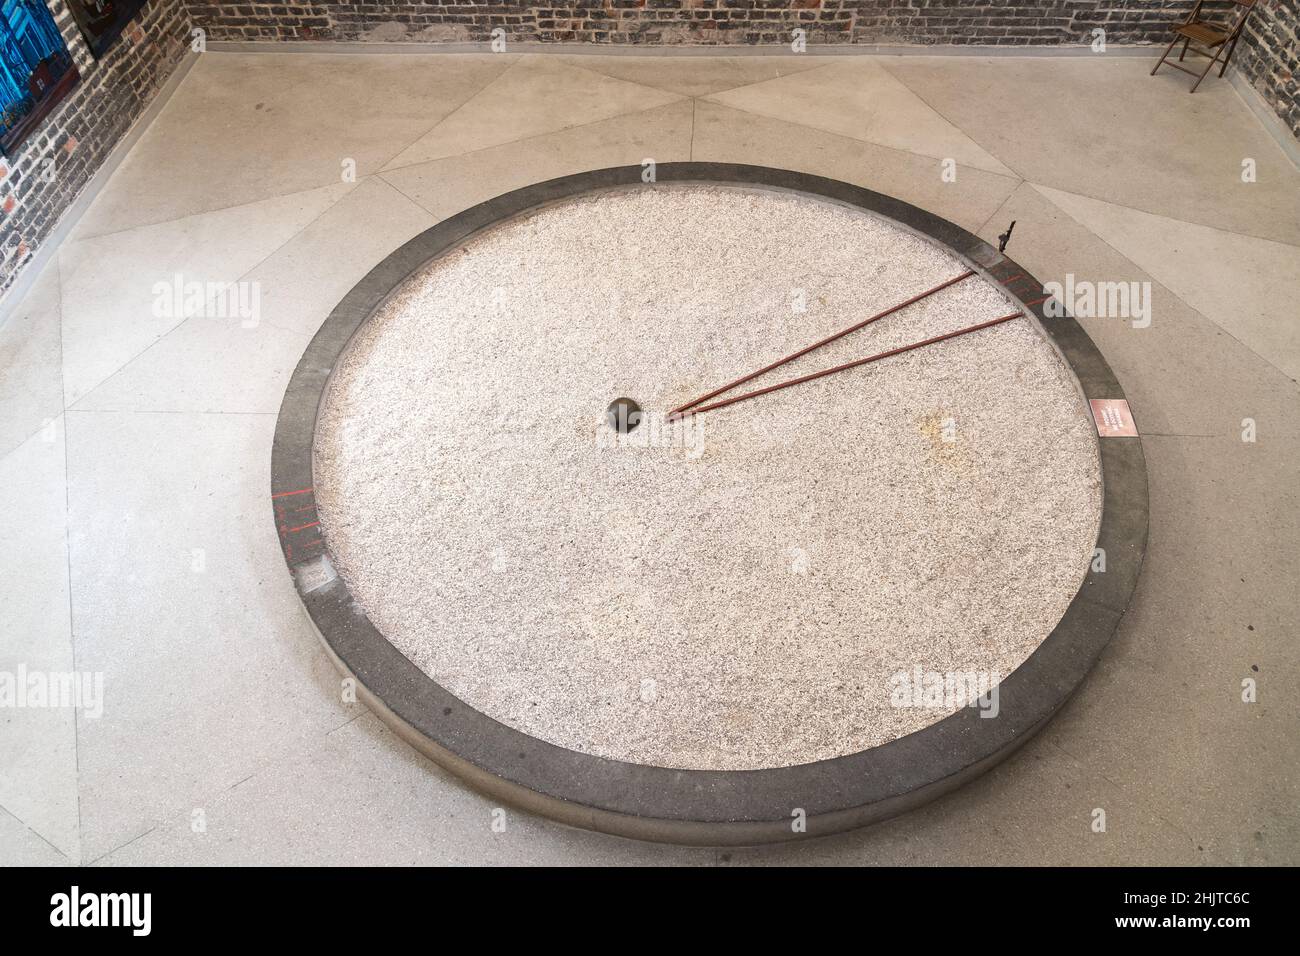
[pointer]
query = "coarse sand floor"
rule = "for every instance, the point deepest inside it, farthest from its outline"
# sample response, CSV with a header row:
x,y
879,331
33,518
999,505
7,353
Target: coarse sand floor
x,y
755,587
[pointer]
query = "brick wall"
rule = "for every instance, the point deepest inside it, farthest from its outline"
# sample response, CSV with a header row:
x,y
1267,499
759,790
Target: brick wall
x,y
1267,56
85,127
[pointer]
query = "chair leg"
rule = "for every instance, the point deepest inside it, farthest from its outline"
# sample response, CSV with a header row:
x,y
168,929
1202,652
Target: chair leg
x,y
1160,62
1183,52
1224,69
1209,66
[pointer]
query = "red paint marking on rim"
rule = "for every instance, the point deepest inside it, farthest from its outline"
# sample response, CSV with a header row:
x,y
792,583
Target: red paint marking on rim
x,y
300,491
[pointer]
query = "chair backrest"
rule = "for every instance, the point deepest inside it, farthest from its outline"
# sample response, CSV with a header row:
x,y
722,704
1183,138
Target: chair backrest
x,y
1246,6
1235,28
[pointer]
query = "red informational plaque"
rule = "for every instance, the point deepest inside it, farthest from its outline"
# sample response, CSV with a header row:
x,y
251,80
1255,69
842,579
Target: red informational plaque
x,y
1113,418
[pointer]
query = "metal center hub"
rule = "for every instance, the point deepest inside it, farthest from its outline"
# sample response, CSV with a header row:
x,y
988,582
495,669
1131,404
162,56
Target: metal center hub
x,y
623,415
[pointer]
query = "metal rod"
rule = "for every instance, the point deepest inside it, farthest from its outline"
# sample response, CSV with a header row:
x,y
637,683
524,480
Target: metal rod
x,y
676,415
816,345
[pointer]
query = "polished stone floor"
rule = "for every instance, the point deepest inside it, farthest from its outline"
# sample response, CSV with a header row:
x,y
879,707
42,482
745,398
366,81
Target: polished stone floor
x,y
135,441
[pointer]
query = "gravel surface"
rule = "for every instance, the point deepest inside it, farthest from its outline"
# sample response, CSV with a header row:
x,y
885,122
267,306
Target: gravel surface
x,y
740,590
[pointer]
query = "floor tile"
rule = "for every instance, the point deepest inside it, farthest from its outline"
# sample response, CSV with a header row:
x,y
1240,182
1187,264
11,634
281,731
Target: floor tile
x,y
244,127
205,364
112,306
365,795
445,187
1249,287
725,135
304,279
1102,127
242,361
1183,374
31,385
1208,614
858,98
38,742
697,75
1036,809
20,846
1043,806
538,94
180,597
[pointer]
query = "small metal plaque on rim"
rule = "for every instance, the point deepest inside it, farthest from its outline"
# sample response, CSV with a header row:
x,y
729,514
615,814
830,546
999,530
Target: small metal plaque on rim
x,y
1113,418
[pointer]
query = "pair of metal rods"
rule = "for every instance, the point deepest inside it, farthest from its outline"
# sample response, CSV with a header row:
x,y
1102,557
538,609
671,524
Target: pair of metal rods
x,y
696,407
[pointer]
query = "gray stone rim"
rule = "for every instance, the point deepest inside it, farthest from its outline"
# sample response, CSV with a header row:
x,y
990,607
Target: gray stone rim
x,y
705,807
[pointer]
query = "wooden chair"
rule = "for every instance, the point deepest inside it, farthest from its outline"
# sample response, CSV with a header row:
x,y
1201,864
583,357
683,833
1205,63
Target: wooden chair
x,y
1214,39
